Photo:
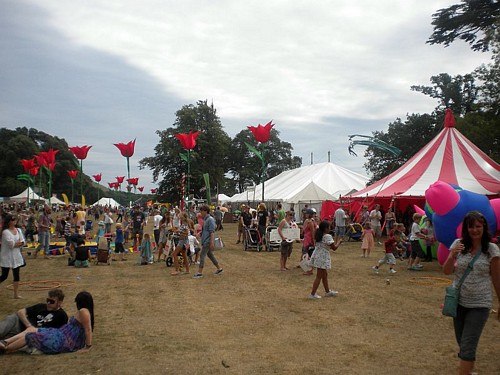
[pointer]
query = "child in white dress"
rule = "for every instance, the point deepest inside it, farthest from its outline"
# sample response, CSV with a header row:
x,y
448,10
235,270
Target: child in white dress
x,y
320,259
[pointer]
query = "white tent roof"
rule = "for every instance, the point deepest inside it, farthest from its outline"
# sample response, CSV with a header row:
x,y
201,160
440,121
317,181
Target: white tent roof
x,y
312,183
22,197
55,200
107,202
223,198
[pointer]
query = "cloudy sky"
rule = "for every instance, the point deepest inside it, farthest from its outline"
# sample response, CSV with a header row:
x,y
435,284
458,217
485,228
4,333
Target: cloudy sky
x,y
101,72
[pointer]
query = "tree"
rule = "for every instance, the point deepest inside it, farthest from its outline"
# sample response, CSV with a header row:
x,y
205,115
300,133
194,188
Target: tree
x,y
482,129
473,21
409,136
458,93
488,77
24,143
209,156
246,168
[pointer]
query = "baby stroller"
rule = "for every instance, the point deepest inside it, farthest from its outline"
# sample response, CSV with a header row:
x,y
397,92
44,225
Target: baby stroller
x,y
271,245
103,248
251,239
173,240
354,231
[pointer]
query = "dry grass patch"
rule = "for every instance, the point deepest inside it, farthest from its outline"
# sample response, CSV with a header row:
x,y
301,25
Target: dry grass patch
x,y
253,319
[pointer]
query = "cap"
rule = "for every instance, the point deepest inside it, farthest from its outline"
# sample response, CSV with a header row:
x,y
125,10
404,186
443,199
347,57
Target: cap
x,y
101,223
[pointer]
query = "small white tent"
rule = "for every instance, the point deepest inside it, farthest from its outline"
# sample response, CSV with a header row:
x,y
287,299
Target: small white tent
x,y
110,202
311,183
22,197
55,200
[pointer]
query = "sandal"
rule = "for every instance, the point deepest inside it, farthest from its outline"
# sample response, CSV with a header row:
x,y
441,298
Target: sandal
x,y
175,273
3,346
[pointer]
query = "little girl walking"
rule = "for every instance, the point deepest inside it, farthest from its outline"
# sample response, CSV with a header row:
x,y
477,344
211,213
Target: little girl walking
x,y
321,260
146,256
368,240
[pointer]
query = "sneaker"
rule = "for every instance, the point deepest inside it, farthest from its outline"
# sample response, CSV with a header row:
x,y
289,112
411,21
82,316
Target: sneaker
x,y
219,271
415,269
419,266
375,269
197,275
237,242
314,296
392,270
331,293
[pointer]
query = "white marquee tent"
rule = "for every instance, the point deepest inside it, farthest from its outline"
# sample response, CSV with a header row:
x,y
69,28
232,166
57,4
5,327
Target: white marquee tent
x,y
308,184
110,202
22,197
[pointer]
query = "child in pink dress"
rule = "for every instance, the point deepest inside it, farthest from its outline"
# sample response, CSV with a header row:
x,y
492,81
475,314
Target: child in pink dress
x,y
368,240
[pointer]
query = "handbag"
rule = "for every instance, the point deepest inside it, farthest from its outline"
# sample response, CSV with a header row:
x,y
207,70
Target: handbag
x,y
21,237
305,263
218,244
452,293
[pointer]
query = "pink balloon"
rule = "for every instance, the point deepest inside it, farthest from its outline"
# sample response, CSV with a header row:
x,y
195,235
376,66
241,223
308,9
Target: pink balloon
x,y
442,197
442,253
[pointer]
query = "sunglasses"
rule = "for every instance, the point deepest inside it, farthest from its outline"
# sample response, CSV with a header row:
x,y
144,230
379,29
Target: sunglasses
x,y
50,301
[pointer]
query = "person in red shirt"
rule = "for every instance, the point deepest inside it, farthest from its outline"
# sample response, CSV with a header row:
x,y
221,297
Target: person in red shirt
x,y
389,258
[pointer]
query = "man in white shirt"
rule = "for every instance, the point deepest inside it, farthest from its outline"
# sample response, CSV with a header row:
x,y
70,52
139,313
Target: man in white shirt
x,y
375,218
156,226
340,219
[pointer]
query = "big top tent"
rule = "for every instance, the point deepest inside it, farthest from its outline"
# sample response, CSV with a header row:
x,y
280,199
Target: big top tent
x,y
449,157
311,183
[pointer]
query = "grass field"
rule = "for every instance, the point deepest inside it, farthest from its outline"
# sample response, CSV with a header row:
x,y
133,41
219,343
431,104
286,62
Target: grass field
x,y
253,319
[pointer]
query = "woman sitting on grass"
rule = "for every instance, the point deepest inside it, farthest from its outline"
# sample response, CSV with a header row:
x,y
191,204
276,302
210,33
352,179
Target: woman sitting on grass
x,y
74,336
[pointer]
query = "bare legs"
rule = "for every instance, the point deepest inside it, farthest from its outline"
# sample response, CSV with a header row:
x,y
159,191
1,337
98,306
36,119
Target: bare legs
x,y
321,276
185,260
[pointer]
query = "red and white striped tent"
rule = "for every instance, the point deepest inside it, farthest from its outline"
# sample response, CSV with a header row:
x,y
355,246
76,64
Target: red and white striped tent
x,y
449,157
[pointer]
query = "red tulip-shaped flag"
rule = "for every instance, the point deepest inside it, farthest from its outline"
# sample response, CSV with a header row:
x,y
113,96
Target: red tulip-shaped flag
x,y
133,181
28,164
73,174
40,160
129,187
97,177
188,140
34,171
80,152
140,188
153,191
48,156
119,179
126,149
262,133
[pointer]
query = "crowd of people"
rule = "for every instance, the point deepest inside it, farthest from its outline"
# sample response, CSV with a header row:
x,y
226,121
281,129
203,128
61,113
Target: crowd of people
x,y
46,328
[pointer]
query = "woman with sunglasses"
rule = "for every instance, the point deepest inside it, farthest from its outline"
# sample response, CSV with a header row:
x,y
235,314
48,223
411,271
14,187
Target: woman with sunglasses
x,y
475,300
74,336
10,252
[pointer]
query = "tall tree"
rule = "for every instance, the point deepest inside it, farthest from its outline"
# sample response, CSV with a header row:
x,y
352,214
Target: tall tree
x,y
458,93
209,156
409,136
473,21
246,168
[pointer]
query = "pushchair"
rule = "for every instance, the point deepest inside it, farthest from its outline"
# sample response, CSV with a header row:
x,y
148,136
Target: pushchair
x,y
103,248
252,239
271,245
354,232
173,240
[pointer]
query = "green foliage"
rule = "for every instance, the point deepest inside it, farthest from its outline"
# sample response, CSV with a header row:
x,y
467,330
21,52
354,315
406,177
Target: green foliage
x,y
409,136
24,143
458,93
473,21
482,129
209,156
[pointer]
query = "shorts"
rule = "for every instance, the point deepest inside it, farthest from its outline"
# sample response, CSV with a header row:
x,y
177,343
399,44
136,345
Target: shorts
x,y
286,248
388,258
81,263
119,247
240,227
416,250
469,325
182,243
339,231
377,230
